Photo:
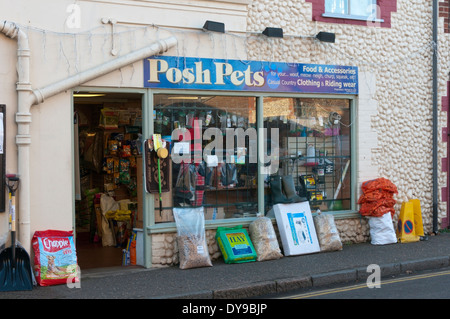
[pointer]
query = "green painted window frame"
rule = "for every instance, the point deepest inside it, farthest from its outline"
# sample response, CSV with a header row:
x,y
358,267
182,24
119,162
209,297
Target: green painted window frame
x,y
149,225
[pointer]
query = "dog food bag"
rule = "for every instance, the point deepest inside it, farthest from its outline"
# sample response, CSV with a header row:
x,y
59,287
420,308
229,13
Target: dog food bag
x,y
55,259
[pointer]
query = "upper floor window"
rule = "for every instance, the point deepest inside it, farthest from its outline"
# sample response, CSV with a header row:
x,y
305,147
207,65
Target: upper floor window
x,y
352,9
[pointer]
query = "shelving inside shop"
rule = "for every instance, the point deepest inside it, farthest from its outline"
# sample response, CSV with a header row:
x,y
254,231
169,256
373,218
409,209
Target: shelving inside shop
x,y
315,148
224,189
110,161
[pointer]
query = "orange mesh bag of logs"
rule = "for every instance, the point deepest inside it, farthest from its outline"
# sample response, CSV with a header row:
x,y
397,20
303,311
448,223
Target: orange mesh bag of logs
x,y
377,197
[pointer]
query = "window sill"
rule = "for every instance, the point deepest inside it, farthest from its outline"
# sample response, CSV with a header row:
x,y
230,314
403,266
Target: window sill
x,y
171,227
350,17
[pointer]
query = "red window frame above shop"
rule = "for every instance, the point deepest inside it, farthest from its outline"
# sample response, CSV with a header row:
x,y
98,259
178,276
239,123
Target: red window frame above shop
x,y
384,20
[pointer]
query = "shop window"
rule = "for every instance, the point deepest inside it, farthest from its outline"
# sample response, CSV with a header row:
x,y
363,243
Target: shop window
x,y
314,151
213,154
362,12
361,9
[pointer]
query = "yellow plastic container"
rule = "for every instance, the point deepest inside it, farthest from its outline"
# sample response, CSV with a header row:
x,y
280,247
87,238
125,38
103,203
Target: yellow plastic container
x,y
406,228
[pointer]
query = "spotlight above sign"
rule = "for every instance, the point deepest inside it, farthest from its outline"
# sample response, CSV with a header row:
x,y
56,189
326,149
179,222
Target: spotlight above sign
x,y
273,32
326,37
214,26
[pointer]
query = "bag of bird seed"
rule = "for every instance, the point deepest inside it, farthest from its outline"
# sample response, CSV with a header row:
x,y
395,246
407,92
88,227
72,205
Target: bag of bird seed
x,y
191,238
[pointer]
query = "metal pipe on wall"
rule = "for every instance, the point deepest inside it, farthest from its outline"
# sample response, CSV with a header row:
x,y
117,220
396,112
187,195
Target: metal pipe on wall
x,y
23,120
435,116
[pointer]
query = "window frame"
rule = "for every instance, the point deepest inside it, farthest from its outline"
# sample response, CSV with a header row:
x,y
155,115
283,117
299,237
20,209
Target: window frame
x,y
349,15
169,227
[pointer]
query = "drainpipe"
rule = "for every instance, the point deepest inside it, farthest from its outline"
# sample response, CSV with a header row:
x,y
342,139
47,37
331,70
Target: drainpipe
x,y
435,116
23,120
26,97
158,47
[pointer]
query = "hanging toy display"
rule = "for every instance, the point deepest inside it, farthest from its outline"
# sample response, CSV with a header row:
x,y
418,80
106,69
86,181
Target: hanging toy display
x,y
158,124
311,155
166,119
182,119
208,118
190,119
202,117
223,120
332,128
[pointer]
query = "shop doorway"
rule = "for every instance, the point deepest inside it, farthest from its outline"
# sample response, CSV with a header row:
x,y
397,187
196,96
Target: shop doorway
x,y
108,166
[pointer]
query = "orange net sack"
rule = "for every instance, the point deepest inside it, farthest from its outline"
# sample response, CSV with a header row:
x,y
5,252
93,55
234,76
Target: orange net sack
x,y
377,197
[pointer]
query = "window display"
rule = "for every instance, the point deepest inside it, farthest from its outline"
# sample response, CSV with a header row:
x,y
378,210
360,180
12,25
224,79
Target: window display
x,y
213,147
314,151
213,153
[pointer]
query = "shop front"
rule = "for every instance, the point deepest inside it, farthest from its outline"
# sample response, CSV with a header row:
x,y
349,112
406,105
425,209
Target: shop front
x,y
249,119
241,136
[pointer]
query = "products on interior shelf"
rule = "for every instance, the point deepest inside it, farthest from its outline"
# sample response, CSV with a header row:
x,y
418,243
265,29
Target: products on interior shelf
x,y
109,118
315,195
311,155
308,181
226,175
208,118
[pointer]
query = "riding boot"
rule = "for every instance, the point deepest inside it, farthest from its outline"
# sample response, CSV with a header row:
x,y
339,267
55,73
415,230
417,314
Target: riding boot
x,y
277,193
289,189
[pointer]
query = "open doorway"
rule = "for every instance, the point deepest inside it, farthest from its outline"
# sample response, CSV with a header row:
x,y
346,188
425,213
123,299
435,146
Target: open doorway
x,y
108,166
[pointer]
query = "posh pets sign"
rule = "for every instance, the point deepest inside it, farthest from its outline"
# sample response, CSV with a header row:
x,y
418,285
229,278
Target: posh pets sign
x,y
168,72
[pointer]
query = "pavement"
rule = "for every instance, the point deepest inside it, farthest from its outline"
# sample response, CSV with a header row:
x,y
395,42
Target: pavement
x,y
252,279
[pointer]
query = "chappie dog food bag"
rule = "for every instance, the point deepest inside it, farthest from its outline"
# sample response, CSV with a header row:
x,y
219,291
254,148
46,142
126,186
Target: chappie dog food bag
x,y
55,259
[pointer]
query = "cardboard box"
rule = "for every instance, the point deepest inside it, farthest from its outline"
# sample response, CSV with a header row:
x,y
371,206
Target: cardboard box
x,y
165,215
215,213
296,227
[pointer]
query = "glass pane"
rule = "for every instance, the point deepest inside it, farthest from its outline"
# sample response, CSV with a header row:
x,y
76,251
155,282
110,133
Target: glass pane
x,y
213,153
362,7
336,6
313,139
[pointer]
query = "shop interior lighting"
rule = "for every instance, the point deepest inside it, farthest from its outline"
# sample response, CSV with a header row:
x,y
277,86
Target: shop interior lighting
x,y
183,98
214,26
88,94
273,32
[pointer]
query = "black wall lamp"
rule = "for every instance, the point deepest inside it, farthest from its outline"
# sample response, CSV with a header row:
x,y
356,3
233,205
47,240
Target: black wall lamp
x,y
278,33
326,37
273,32
214,26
